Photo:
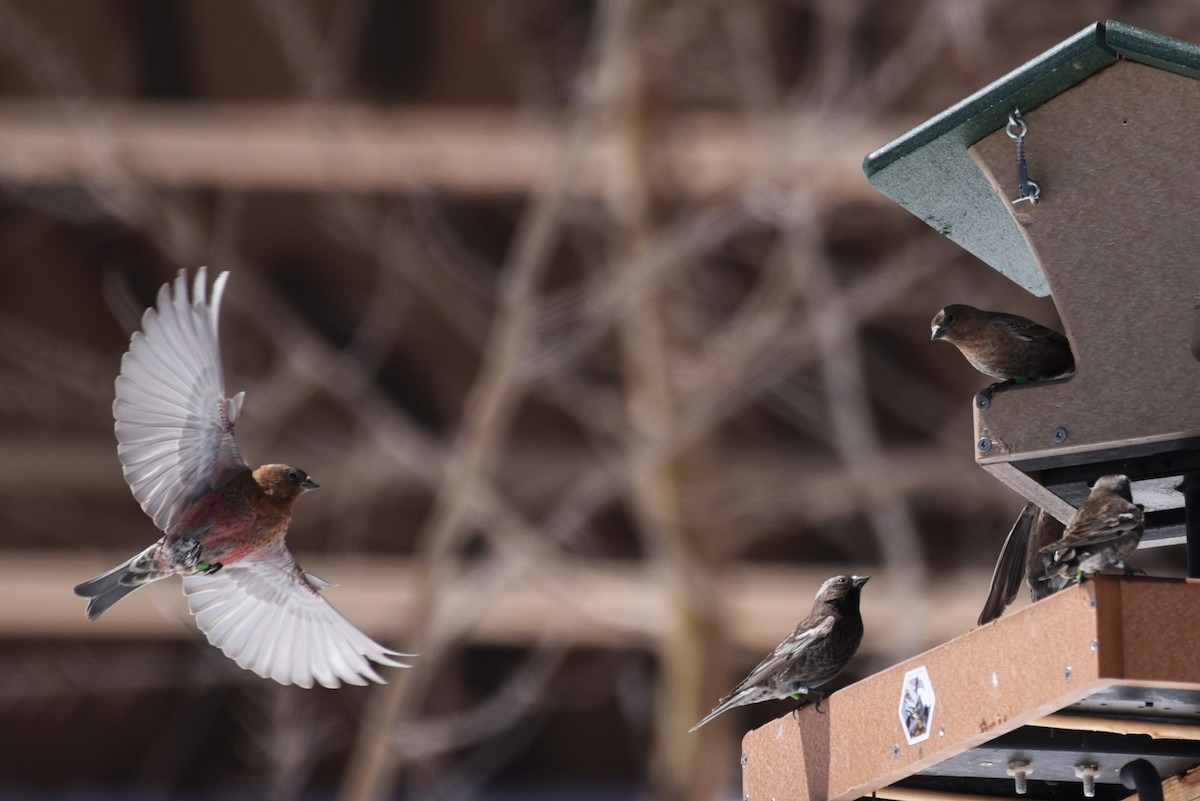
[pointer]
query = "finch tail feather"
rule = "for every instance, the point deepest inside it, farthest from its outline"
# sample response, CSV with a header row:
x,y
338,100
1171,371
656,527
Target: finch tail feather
x,y
100,603
747,696
1010,567
108,588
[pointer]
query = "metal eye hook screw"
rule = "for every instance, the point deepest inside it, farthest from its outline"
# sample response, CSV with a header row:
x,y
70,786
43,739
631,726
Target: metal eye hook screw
x,y
1027,191
1017,127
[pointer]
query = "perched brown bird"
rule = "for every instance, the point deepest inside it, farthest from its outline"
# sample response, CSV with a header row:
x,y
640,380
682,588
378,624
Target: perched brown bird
x,y
1021,558
816,652
1104,532
224,524
1007,347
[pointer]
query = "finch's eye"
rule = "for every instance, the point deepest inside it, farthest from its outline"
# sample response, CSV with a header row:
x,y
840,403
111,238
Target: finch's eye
x,y
949,319
294,476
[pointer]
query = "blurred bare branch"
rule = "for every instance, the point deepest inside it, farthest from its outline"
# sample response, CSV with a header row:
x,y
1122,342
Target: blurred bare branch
x,y
491,404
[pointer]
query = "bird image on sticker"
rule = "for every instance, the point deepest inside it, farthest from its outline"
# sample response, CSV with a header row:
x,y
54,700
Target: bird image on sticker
x,y
917,701
223,523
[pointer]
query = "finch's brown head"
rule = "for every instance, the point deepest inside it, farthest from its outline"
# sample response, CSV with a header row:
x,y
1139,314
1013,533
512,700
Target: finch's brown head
x,y
282,483
956,318
1116,484
840,590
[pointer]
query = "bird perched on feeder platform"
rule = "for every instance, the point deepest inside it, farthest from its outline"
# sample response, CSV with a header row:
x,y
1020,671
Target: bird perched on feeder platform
x,y
1007,347
1104,532
815,653
223,523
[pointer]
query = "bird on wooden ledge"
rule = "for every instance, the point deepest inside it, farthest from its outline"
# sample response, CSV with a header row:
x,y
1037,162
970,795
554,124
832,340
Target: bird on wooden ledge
x,y
1104,532
1007,347
817,650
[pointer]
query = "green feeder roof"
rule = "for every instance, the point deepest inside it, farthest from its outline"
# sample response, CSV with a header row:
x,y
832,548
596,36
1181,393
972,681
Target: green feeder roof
x,y
929,172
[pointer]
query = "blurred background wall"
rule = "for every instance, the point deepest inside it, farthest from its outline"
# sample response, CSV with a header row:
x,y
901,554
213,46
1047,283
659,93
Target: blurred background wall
x,y
583,315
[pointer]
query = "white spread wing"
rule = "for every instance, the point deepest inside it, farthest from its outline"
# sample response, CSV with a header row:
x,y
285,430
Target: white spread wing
x,y
174,424
265,614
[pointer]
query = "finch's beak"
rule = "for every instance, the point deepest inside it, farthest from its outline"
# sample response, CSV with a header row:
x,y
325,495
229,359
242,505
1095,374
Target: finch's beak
x,y
858,581
938,332
309,484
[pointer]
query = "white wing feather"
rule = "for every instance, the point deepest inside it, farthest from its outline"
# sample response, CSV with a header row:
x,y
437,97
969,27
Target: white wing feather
x,y
265,615
174,424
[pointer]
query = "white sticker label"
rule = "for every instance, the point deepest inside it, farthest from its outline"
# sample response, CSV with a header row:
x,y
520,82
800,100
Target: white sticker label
x,y
917,700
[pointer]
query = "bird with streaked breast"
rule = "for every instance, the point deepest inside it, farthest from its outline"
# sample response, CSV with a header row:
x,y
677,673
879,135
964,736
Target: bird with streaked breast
x,y
1105,531
816,651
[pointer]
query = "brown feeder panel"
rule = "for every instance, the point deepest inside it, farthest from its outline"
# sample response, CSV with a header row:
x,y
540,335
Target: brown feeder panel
x,y
1113,140
1117,235
1052,701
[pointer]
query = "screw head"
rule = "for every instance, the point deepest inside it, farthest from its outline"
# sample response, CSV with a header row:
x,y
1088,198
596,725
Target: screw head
x,y
941,731
1067,673
745,759
984,444
982,401
896,751
1060,435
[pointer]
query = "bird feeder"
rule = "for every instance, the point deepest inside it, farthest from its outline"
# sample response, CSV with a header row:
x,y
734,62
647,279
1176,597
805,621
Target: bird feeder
x,y
1108,128
1076,176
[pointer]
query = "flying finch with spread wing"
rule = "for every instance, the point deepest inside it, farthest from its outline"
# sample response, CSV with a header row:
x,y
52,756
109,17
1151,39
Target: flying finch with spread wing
x,y
1021,557
223,524
1104,532
1007,347
817,651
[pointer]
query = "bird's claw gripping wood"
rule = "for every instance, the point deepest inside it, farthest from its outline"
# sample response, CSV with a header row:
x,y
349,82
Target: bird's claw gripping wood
x,y
983,398
811,698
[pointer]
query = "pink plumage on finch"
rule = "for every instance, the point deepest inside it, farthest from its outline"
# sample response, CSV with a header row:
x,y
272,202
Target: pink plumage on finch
x,y
223,524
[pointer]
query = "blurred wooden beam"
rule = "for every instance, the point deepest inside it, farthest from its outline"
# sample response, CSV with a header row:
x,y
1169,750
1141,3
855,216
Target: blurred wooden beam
x,y
593,603
478,151
757,482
